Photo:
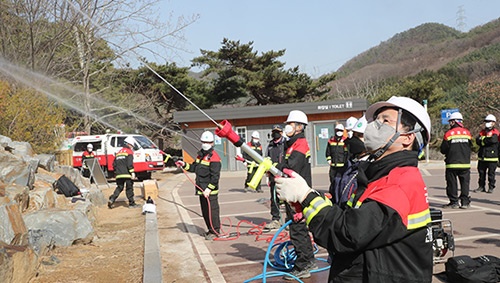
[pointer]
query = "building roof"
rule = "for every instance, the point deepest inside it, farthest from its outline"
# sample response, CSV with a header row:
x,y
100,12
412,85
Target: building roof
x,y
330,106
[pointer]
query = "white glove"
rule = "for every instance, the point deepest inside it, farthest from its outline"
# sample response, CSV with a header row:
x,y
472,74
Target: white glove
x,y
293,188
133,176
180,163
207,192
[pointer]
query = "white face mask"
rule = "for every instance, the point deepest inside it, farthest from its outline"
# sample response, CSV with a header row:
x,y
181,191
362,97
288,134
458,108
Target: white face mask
x,y
289,130
339,133
377,135
255,140
488,125
206,146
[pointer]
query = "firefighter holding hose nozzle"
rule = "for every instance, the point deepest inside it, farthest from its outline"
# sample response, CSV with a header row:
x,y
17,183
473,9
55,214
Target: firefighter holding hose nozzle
x,y
381,235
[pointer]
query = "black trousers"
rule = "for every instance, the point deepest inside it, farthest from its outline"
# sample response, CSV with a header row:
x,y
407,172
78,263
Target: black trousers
x,y
463,176
210,210
129,190
275,202
301,241
486,168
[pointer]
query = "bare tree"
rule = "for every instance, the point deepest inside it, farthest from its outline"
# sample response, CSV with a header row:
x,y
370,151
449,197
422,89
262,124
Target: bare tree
x,y
82,41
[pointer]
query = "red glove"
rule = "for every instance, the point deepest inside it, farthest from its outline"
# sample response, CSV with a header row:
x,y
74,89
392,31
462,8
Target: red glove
x,y
239,158
180,163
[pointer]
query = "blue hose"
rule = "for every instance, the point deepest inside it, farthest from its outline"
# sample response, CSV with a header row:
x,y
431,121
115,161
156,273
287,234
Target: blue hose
x,y
284,258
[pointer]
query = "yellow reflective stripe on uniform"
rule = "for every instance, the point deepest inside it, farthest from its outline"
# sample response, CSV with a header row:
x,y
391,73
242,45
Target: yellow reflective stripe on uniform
x,y
317,204
204,162
187,166
308,154
211,186
488,159
337,164
419,219
458,137
458,166
213,192
121,176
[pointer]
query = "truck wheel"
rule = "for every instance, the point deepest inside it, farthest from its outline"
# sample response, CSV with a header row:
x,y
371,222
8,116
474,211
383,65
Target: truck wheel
x,y
144,176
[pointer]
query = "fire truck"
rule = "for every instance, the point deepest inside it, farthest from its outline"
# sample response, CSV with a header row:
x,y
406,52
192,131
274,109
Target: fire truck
x,y
147,156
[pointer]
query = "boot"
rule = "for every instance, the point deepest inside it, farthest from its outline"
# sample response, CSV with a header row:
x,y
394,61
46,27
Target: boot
x,y
110,203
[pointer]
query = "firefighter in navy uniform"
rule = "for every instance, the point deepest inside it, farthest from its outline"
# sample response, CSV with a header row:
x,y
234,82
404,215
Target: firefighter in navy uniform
x,y
207,167
250,163
456,147
297,158
87,155
487,155
124,173
275,151
382,234
336,154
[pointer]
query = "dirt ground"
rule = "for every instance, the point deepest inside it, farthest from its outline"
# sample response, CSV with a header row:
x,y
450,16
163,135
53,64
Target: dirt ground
x,y
115,255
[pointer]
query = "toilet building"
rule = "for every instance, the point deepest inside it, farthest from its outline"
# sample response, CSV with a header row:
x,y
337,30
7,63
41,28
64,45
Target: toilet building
x,y
322,116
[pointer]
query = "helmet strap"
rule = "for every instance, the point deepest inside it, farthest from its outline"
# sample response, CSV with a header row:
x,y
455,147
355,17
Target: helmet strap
x,y
394,137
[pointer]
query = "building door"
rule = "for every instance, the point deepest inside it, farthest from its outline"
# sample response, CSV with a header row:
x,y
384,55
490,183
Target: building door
x,y
221,146
322,133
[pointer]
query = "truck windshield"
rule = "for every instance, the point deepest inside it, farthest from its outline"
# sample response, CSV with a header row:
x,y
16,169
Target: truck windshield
x,y
145,142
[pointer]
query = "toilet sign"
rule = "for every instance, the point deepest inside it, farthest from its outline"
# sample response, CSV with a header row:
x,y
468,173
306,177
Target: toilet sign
x,y
445,115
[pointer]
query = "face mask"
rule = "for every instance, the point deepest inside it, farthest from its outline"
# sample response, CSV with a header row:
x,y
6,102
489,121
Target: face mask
x,y
339,134
206,146
377,135
276,135
289,130
488,125
89,149
255,141
349,134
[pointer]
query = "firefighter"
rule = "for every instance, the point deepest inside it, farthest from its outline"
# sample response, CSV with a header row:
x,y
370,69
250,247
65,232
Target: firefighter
x,y
336,154
356,145
275,151
207,167
487,154
124,173
456,147
87,155
297,158
349,125
251,164
382,234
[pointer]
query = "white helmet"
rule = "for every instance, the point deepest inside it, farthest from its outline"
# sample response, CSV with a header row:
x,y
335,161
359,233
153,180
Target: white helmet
x,y
255,135
408,104
455,116
130,140
207,136
90,146
339,127
360,125
350,123
297,116
490,117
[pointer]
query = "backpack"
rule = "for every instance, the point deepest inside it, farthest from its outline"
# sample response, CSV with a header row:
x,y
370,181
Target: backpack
x,y
65,186
464,269
345,183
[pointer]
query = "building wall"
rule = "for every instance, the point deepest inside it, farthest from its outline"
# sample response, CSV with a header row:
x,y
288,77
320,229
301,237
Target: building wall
x,y
227,151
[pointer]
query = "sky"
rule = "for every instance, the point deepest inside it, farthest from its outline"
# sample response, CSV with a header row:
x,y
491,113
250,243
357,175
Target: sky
x,y
318,36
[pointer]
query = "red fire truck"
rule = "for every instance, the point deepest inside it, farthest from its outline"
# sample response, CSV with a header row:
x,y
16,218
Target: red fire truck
x,y
147,156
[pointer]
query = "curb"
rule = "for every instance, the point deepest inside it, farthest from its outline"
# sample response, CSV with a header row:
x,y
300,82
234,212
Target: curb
x,y
152,258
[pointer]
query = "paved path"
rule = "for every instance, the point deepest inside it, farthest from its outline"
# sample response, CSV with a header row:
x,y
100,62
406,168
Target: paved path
x,y
240,258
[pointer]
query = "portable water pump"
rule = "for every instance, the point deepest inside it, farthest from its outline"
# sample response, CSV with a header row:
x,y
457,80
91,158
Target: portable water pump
x,y
442,236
